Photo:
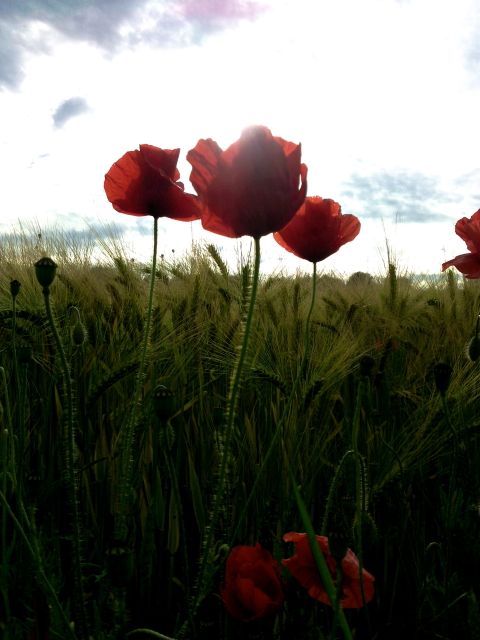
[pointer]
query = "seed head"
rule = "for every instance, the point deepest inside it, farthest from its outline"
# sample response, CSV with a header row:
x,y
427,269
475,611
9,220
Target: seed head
x,y
45,270
15,288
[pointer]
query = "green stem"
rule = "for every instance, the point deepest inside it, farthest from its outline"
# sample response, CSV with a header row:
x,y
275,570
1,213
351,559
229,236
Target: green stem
x,y
306,340
286,409
232,404
126,435
149,632
71,473
319,558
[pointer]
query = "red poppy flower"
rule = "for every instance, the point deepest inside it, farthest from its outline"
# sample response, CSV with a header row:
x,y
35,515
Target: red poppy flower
x,y
144,182
252,188
303,568
252,588
317,230
468,263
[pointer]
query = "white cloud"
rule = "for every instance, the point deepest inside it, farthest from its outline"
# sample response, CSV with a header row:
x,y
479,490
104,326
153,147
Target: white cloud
x,y
372,88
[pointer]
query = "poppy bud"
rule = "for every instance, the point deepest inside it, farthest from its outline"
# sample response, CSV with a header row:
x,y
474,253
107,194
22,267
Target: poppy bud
x,y
442,373
473,349
15,288
163,402
79,334
45,270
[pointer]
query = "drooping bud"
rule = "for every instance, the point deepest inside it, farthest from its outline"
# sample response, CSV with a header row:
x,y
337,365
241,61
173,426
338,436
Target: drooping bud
x,y
78,332
45,269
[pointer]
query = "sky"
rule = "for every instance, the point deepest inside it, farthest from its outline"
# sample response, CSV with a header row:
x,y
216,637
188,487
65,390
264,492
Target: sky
x,y
383,95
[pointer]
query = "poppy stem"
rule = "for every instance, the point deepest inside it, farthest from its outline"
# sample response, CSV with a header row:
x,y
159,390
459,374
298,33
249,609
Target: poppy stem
x,y
72,477
127,431
225,453
306,339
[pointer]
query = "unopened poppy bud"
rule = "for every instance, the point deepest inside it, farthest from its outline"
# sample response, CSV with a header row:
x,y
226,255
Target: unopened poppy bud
x,y
473,349
45,270
163,402
79,334
15,288
442,373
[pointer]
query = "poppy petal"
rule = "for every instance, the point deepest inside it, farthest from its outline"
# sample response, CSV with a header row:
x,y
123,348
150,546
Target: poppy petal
x,y
144,182
317,230
466,263
252,188
303,568
469,230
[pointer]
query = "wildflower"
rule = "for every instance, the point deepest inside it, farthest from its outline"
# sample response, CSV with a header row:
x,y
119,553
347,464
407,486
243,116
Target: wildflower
x,y
303,568
144,182
468,263
252,588
252,188
317,230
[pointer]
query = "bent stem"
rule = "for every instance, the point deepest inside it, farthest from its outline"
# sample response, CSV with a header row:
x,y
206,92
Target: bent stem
x,y
126,435
231,409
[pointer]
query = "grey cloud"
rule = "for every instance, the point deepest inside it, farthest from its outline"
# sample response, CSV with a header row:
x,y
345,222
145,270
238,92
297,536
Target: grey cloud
x,y
113,24
62,236
68,109
404,196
